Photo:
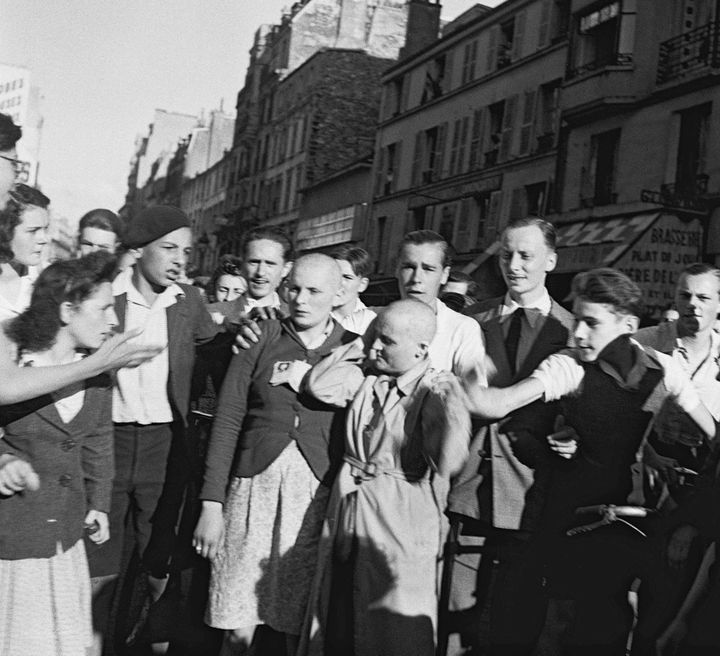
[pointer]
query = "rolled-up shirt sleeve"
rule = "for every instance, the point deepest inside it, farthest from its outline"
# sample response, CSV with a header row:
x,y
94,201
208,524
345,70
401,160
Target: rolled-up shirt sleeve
x,y
678,383
560,374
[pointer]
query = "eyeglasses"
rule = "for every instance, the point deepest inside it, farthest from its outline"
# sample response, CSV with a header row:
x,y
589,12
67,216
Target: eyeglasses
x,y
22,169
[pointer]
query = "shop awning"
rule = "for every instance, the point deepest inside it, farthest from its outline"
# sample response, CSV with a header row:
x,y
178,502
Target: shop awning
x,y
590,244
482,258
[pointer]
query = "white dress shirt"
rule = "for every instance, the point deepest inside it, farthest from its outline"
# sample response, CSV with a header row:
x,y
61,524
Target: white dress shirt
x,y
140,394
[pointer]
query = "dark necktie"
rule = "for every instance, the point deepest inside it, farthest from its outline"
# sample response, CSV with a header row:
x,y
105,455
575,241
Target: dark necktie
x,y
512,341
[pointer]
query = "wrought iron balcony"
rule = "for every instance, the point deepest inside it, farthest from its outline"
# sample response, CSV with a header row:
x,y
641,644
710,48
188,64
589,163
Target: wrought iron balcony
x,y
688,195
689,53
611,59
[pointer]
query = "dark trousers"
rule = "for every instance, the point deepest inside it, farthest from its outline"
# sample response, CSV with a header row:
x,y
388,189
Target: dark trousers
x,y
518,600
141,458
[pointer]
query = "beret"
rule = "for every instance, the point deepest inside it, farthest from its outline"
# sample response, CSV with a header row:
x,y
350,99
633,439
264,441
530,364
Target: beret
x,y
152,223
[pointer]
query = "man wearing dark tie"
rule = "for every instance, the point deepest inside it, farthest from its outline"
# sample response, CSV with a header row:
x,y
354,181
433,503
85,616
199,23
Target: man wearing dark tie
x,y
520,329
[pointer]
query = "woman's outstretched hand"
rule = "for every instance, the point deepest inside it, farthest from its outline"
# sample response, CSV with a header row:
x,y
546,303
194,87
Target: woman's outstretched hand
x,y
118,351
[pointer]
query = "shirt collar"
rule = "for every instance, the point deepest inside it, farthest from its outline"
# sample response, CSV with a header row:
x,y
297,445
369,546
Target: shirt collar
x,y
540,307
271,300
359,307
407,382
123,285
643,362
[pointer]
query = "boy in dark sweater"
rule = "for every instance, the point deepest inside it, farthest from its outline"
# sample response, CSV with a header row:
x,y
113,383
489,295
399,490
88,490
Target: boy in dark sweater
x,y
610,388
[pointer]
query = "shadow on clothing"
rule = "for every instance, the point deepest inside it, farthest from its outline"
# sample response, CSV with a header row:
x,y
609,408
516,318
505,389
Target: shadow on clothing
x,y
350,605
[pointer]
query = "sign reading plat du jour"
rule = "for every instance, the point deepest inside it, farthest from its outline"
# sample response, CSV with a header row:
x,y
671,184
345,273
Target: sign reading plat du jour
x,y
655,261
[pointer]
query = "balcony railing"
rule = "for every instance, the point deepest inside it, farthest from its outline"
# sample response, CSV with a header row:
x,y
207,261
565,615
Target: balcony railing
x,y
689,52
612,59
688,194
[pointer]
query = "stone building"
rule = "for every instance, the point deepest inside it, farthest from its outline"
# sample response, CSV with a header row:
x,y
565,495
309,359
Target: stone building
x,y
308,107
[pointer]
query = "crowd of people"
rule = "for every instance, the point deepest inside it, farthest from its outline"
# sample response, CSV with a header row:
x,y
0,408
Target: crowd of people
x,y
308,463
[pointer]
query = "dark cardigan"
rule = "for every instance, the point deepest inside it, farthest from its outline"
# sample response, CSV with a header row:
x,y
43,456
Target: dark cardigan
x,y
255,421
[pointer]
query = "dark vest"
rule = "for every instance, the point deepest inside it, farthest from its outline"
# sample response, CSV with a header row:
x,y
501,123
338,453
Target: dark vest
x,y
611,423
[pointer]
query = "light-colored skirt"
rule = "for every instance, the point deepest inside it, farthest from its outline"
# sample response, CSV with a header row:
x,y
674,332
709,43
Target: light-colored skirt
x,y
264,569
45,605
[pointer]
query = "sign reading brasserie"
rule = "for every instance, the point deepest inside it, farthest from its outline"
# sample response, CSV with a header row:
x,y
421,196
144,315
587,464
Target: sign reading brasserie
x,y
658,257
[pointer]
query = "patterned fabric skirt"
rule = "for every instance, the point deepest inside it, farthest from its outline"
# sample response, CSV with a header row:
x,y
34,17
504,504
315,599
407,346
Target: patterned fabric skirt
x,y
265,567
45,605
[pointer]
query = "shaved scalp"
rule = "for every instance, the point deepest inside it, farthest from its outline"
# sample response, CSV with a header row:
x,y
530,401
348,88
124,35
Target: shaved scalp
x,y
417,318
319,263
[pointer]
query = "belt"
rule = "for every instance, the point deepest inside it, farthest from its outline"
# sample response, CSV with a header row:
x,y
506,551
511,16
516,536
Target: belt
x,y
366,471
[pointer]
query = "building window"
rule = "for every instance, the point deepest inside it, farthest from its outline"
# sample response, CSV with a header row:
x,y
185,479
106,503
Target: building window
x,y
447,222
529,200
469,61
554,15
597,42
495,126
486,208
476,158
381,246
395,97
388,165
547,123
599,176
459,145
429,155
690,172
437,77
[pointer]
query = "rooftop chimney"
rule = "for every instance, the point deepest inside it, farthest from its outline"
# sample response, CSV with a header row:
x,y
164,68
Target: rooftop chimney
x,y
423,26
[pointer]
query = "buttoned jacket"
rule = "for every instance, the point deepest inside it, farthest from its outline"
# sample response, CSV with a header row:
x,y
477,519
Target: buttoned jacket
x,y
74,462
491,452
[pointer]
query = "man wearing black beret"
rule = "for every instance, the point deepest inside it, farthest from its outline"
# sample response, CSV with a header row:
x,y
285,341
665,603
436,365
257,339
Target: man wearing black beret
x,y
150,402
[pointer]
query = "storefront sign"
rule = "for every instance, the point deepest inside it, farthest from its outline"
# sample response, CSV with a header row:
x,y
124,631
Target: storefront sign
x,y
657,258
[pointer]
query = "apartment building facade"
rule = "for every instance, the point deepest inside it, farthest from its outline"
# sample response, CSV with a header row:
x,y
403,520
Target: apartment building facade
x,y
638,173
468,133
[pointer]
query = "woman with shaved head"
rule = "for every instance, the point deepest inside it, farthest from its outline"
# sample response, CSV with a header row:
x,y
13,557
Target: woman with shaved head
x,y
270,460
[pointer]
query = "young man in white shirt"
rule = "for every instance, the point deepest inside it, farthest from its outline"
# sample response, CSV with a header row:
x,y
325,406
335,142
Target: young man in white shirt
x,y
354,263
150,402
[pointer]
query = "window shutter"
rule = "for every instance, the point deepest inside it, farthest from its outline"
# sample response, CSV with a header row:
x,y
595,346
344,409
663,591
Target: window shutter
x,y
518,36
396,167
461,168
462,239
380,171
528,122
440,151
491,61
454,148
476,140
447,73
544,30
508,125
417,159
518,204
493,211
405,92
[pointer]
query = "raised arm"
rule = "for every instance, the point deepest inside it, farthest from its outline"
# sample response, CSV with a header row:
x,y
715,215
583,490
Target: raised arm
x,y
24,383
337,377
491,403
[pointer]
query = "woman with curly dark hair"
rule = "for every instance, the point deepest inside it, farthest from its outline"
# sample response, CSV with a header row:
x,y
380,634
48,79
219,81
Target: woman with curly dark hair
x,y
23,235
227,281
56,465
23,222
